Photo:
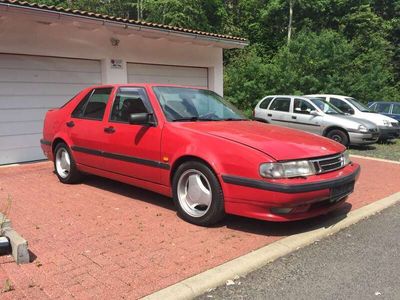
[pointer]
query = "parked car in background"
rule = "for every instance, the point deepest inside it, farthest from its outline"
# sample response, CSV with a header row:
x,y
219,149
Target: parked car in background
x,y
316,116
190,144
388,127
390,109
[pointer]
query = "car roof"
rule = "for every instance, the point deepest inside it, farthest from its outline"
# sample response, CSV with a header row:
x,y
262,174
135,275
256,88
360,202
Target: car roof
x,y
388,102
326,95
141,84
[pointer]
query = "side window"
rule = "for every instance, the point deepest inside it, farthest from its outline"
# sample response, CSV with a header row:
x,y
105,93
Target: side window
x,y
343,106
266,102
373,107
302,107
280,104
396,109
129,100
93,105
383,107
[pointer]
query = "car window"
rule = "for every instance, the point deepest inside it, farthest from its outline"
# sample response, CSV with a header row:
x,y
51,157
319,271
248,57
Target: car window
x,y
93,105
302,107
383,107
396,109
264,104
280,104
191,105
373,107
343,106
129,100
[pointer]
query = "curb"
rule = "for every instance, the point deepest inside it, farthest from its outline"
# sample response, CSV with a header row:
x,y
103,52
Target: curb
x,y
377,159
201,283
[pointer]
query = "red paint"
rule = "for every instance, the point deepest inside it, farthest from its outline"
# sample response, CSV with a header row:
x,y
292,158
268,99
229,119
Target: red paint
x,y
235,148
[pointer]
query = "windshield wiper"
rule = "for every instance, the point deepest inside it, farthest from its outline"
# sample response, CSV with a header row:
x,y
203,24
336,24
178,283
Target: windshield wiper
x,y
194,119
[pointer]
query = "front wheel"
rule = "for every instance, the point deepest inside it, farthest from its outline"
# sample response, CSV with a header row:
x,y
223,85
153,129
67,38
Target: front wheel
x,y
197,194
338,136
64,165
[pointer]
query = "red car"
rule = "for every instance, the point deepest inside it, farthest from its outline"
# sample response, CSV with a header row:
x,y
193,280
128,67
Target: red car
x,y
190,144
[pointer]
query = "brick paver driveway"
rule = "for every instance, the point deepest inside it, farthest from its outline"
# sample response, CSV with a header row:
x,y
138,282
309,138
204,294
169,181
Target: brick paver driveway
x,y
106,239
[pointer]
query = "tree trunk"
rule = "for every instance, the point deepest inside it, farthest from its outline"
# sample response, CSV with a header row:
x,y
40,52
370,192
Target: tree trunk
x,y
289,33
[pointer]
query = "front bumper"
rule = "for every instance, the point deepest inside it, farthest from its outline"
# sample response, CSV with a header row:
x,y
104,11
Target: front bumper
x,y
358,138
306,197
387,133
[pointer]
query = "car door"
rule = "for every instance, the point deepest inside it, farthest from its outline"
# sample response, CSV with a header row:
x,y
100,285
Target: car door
x,y
132,150
279,111
302,117
86,127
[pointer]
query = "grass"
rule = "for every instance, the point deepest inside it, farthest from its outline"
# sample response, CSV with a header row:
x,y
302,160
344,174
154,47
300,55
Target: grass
x,y
389,150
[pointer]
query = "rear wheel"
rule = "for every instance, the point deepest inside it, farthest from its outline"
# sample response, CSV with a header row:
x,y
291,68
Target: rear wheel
x,y
339,136
64,165
197,194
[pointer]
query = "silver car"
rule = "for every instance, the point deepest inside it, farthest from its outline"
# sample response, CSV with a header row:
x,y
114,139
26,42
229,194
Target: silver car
x,y
316,116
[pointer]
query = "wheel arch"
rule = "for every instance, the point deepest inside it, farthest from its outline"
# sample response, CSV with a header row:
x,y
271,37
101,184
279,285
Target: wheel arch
x,y
330,128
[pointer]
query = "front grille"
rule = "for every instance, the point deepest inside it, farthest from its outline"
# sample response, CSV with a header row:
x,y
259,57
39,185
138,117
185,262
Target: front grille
x,y
373,130
328,164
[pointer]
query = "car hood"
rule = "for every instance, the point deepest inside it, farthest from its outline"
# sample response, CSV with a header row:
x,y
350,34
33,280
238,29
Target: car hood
x,y
278,142
375,117
359,121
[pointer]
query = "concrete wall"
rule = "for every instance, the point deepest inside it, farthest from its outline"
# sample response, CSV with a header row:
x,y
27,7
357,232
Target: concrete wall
x,y
38,34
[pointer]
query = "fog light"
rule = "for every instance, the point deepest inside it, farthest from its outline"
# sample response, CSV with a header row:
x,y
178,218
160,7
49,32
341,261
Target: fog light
x,y
281,210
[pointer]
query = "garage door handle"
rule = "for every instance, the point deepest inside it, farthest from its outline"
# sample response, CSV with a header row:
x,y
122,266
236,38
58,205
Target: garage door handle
x,y
109,129
269,115
70,124
294,117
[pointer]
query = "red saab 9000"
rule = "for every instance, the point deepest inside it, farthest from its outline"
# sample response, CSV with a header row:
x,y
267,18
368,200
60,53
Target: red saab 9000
x,y
190,144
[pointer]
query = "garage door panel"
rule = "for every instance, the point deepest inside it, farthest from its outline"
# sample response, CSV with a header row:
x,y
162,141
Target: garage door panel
x,y
20,128
20,155
22,115
7,102
29,87
35,76
18,142
167,74
39,89
26,62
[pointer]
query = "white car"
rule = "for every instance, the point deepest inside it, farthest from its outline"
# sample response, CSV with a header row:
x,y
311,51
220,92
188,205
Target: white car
x,y
388,127
316,116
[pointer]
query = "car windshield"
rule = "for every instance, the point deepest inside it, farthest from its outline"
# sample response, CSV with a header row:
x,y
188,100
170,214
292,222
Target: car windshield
x,y
190,104
358,105
326,107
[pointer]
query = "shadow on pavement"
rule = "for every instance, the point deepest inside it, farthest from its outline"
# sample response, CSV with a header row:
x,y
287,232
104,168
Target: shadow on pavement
x,y
231,222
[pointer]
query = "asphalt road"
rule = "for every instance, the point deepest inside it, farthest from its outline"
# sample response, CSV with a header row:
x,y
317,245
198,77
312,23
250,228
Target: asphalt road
x,y
360,262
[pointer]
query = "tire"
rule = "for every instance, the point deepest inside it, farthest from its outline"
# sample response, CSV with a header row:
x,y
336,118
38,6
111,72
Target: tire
x,y
197,194
65,166
338,136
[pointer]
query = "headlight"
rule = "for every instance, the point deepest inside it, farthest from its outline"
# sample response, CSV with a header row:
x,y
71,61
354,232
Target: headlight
x,y
387,123
287,169
362,128
346,158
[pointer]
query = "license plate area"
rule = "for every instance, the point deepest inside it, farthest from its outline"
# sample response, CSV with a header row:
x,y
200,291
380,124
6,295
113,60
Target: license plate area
x,y
341,191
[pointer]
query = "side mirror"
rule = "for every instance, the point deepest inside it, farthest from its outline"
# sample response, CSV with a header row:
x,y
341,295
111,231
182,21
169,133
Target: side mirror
x,y
141,119
315,113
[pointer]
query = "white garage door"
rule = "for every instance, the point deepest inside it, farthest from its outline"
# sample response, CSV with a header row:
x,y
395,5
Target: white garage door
x,y
29,86
167,74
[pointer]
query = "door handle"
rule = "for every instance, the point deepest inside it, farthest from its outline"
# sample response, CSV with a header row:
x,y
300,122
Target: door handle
x,y
109,129
269,115
294,117
70,124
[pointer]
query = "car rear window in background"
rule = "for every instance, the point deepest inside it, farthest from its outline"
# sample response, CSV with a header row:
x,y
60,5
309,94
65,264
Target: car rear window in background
x,y
383,107
266,102
280,104
93,105
396,109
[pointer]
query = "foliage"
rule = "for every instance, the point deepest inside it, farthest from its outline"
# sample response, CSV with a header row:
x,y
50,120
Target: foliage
x,y
337,46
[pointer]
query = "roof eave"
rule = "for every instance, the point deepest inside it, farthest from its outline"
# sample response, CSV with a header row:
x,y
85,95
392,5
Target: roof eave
x,y
207,40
